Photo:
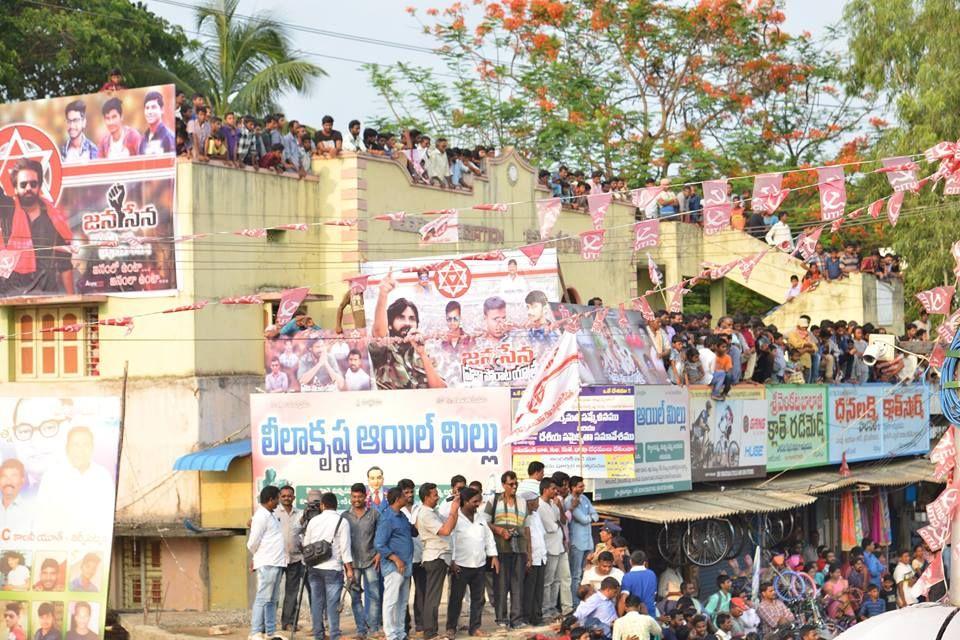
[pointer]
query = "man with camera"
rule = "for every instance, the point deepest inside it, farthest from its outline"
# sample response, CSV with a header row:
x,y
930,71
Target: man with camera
x,y
327,554
506,516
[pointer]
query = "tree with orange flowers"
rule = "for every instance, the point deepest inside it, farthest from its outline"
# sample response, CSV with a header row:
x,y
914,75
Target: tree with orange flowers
x,y
629,86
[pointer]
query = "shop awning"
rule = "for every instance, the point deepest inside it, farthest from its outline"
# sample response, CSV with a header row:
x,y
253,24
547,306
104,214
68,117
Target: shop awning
x,y
213,459
705,503
879,473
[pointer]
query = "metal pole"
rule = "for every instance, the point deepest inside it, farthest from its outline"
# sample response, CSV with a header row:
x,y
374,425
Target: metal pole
x,y
123,419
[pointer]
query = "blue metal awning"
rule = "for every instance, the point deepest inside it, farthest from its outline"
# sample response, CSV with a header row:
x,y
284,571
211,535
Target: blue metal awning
x,y
213,459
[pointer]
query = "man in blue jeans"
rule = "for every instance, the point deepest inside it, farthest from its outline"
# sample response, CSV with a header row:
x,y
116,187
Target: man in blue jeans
x,y
365,591
394,542
583,515
326,577
269,551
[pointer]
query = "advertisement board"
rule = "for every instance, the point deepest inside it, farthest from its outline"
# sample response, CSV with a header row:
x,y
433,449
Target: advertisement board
x,y
728,438
662,437
87,194
875,421
796,426
593,441
427,435
57,496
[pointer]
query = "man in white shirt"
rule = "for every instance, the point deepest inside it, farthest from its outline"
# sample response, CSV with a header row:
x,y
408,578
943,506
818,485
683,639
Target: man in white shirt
x,y
289,517
779,235
326,578
457,483
267,545
353,141
81,489
794,289
550,518
708,359
356,378
435,535
533,582
470,545
904,573
602,569
514,287
437,165
635,625
14,514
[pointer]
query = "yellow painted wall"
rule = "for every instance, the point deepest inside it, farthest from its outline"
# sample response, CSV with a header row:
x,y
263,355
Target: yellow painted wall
x,y
229,575
226,498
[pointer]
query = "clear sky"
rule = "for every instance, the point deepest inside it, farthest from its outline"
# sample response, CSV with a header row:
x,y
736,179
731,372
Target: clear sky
x,y
345,93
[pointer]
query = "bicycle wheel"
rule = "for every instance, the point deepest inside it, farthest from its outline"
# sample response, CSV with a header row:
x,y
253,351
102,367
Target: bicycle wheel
x,y
733,454
669,545
789,586
740,537
707,542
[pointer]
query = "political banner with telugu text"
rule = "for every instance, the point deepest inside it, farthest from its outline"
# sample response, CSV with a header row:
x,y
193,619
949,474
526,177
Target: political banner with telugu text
x,y
427,435
482,322
595,440
728,438
59,478
87,194
874,421
662,438
796,426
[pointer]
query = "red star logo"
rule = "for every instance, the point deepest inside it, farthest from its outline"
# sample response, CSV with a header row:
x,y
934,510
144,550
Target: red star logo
x,y
27,141
453,278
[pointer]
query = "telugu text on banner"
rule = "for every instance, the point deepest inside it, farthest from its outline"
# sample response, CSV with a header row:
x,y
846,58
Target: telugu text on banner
x,y
875,421
796,426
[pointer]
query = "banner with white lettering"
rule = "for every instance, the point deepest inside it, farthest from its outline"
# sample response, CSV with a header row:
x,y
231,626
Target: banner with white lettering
x,y
875,421
662,438
427,435
728,438
594,440
796,426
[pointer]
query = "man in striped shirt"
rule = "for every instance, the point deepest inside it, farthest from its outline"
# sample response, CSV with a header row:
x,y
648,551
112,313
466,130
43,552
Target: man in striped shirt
x,y
506,516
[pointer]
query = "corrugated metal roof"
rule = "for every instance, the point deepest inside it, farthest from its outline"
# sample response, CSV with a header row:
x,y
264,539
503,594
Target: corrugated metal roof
x,y
705,503
215,458
780,493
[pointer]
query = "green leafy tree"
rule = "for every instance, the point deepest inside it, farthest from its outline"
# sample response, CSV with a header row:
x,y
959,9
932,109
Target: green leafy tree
x,y
244,64
632,86
906,50
67,47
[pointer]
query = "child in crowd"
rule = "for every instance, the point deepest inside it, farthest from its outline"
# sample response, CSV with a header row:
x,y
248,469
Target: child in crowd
x,y
692,368
273,159
677,363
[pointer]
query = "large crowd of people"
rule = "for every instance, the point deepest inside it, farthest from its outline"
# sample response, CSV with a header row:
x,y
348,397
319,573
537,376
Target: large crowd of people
x,y
529,549
741,349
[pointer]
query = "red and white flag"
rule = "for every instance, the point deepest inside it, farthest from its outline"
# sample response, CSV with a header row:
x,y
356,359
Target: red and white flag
x,y
622,319
442,230
533,251
124,321
598,205
591,244
548,211
944,455
835,225
498,207
396,216
296,226
941,151
833,192
290,301
438,212
599,319
250,299
496,254
717,271
901,173
717,207
931,576
767,193
937,300
952,186
194,236
893,207
876,207
938,355
552,391
640,304
653,272
646,234
955,250
948,329
188,307
358,284
748,264
676,299
343,222
807,242
642,198
251,233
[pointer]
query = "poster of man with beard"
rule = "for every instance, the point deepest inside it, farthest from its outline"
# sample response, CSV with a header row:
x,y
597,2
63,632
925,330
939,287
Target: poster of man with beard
x,y
399,358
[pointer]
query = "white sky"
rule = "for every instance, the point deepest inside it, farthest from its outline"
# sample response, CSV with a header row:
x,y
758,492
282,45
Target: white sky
x,y
345,93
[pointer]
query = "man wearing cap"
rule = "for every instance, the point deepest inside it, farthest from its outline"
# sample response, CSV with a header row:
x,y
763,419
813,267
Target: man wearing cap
x,y
803,341
536,560
745,619
608,531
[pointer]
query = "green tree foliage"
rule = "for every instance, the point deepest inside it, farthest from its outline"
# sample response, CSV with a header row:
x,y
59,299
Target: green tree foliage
x,y
244,64
628,86
65,47
906,49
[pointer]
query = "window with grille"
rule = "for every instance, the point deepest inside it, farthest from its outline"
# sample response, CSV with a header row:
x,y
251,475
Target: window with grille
x,y
142,560
44,353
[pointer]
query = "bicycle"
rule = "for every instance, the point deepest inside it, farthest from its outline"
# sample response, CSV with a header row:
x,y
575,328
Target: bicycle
x,y
704,542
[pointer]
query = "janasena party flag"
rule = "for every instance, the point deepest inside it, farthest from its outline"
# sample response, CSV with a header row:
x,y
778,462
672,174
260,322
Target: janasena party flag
x,y
937,300
552,391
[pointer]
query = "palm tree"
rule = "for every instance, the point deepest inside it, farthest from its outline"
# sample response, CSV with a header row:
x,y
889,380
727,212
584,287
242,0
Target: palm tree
x,y
245,63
